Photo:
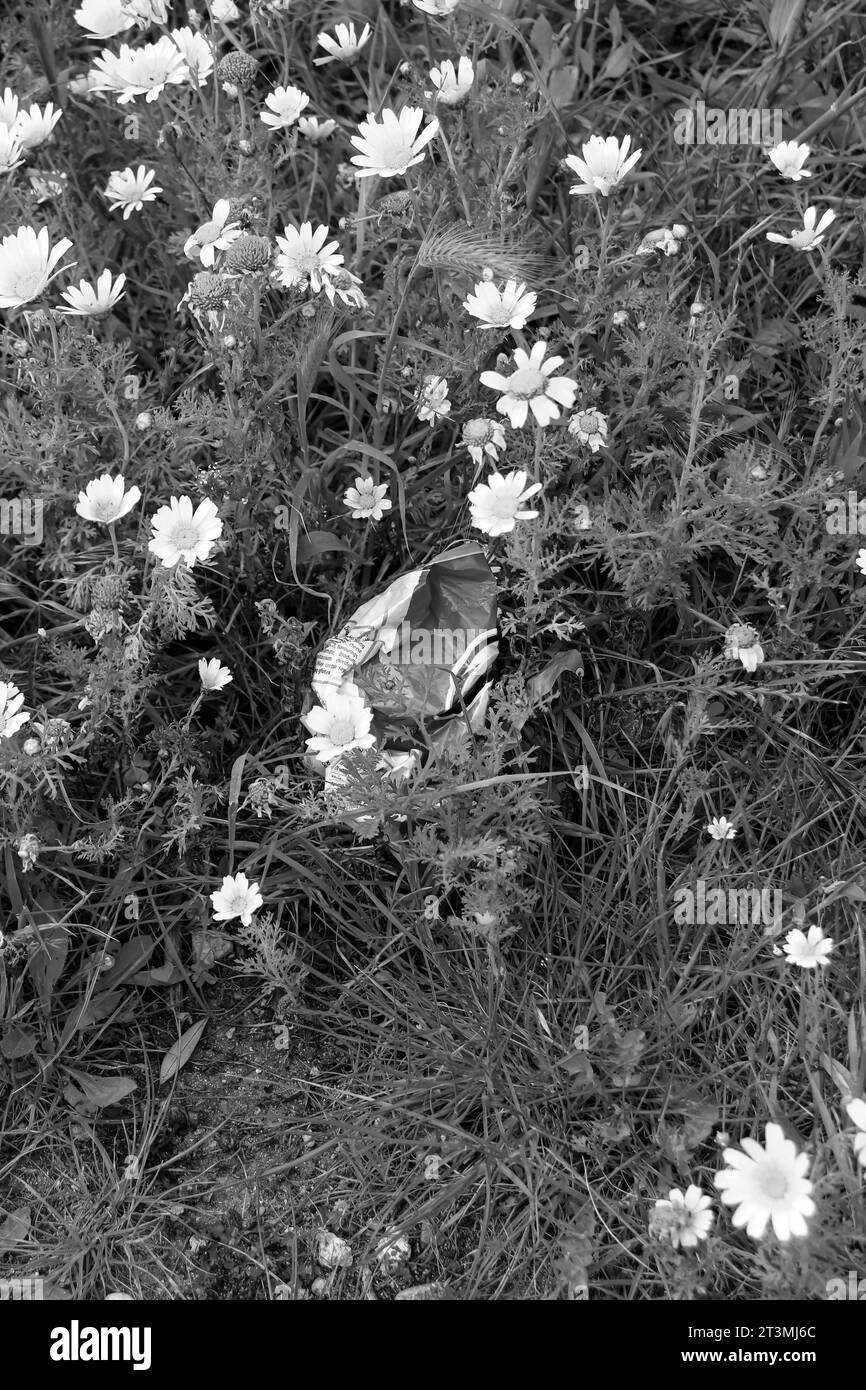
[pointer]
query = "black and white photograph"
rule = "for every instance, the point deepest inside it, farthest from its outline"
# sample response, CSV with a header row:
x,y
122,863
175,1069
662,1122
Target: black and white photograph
x,y
432,657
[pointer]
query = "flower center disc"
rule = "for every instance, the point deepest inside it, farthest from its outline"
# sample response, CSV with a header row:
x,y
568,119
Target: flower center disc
x,y
527,383
185,536
394,154
342,731
773,1183
28,284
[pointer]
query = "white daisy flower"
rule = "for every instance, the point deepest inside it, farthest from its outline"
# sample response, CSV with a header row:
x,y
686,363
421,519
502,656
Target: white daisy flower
x,y
345,47
8,108
391,145
434,404
438,8
105,499
236,898
789,158
346,287
215,235
482,437
604,165
506,308
768,1184
452,85
179,533
532,386
103,19
213,675
28,264
742,643
34,127
285,105
94,301
687,1217
857,1112
306,257
146,12
590,427
497,505
131,191
11,153
720,828
811,236
366,501
11,716
808,950
314,129
196,52
135,72
338,727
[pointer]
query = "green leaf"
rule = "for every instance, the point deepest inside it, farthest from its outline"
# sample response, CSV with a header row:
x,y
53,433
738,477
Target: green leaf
x,y
17,1042
46,964
562,85
100,1090
132,956
168,974
318,543
234,797
180,1052
542,39
543,683
619,60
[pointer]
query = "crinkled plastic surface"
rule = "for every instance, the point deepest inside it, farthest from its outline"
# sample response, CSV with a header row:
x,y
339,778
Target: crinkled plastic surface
x,y
419,654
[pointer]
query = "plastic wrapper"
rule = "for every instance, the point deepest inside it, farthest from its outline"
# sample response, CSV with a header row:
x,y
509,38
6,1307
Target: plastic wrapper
x,y
419,656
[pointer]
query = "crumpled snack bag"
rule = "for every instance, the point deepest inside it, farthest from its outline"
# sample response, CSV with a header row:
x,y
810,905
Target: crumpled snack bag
x,y
418,654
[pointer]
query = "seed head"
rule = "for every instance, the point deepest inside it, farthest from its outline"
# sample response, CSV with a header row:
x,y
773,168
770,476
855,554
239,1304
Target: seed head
x,y
237,70
208,291
400,204
248,254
